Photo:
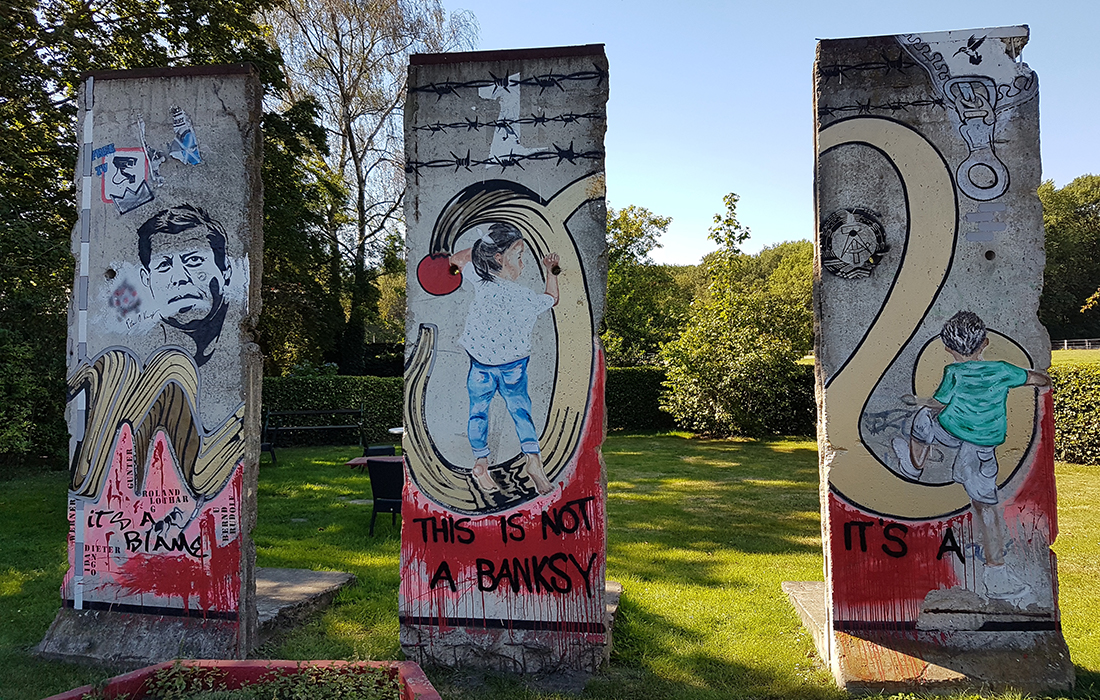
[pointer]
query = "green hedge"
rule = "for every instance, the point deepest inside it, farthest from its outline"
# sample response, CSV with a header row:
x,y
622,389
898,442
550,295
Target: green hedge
x,y
633,397
1076,412
380,397
633,401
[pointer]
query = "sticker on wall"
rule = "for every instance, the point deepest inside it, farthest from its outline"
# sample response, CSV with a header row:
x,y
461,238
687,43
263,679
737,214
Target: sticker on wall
x,y
126,299
124,177
185,147
155,157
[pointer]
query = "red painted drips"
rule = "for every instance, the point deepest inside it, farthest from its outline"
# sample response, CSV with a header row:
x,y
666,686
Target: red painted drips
x,y
877,588
214,579
1036,496
118,572
420,559
873,586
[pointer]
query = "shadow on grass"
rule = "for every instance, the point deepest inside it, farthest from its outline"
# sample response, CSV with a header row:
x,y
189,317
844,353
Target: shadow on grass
x,y
1088,683
653,658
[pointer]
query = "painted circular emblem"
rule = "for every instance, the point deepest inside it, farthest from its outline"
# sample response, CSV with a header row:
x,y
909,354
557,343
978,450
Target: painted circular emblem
x,y
853,243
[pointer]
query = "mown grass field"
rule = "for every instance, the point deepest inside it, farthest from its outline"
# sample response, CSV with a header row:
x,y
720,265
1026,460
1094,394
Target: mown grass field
x,y
701,535
1063,357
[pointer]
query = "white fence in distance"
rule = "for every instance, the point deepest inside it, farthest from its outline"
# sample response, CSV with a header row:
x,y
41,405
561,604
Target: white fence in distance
x,y
1079,344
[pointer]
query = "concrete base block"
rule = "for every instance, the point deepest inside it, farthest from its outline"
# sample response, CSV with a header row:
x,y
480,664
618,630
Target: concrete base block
x,y
129,641
503,650
613,591
284,598
522,651
808,599
889,661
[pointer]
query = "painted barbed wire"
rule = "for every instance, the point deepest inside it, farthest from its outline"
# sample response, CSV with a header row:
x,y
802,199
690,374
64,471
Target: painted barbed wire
x,y
508,124
887,64
543,82
512,160
868,107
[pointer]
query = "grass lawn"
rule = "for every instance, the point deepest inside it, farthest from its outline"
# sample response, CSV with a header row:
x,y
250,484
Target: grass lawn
x,y
1062,357
701,535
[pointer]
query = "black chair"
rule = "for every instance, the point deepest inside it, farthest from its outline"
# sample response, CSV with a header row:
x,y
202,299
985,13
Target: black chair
x,y
387,480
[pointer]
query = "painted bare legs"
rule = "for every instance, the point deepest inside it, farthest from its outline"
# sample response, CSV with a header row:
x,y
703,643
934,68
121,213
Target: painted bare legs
x,y
482,478
537,474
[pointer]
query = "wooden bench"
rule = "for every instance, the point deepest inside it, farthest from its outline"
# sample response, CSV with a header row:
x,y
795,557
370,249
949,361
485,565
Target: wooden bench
x,y
277,422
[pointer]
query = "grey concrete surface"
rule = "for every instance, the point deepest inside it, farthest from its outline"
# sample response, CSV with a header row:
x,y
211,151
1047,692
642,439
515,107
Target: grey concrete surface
x,y
286,597
809,600
928,270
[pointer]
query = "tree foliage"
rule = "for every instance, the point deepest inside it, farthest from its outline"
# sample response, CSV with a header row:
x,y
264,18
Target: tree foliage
x,y
49,45
302,315
36,215
733,370
1071,217
351,57
645,306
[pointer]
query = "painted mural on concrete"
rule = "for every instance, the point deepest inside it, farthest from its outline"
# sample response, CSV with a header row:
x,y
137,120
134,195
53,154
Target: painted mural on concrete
x,y
159,367
936,433
504,516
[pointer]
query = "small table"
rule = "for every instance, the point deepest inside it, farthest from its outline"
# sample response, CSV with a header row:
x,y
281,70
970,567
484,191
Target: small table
x,y
360,463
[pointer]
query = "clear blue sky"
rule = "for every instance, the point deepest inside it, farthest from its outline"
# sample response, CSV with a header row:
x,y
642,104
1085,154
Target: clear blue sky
x,y
716,97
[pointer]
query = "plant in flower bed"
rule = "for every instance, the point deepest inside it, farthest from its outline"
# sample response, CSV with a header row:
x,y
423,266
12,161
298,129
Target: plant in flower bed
x,y
182,682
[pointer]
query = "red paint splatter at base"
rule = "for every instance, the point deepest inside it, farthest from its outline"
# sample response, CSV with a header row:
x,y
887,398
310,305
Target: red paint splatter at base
x,y
214,579
872,586
520,596
142,546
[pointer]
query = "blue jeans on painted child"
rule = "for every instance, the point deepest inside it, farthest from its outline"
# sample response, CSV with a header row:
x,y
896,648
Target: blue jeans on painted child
x,y
510,379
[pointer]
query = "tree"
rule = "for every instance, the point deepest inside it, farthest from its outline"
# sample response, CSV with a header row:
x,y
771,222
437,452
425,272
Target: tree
x,y
36,215
733,370
49,44
1071,217
302,316
644,307
352,57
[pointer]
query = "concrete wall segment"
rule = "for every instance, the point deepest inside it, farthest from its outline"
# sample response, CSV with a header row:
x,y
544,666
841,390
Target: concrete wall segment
x,y
164,376
927,168
501,565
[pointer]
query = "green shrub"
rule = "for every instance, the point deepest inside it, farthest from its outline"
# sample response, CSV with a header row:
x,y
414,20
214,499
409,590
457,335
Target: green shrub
x,y
634,397
728,379
381,398
33,432
1076,413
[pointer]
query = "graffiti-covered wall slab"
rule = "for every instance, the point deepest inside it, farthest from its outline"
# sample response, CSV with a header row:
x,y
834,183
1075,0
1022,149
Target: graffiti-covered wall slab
x,y
936,428
163,384
503,540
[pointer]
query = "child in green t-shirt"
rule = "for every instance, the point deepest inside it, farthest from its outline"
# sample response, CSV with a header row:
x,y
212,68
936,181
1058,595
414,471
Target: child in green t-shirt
x,y
968,413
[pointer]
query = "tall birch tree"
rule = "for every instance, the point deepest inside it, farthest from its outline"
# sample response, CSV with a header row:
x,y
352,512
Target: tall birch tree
x,y
352,57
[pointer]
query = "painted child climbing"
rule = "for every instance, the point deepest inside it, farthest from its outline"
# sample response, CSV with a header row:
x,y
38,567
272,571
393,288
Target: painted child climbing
x,y
968,413
498,339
